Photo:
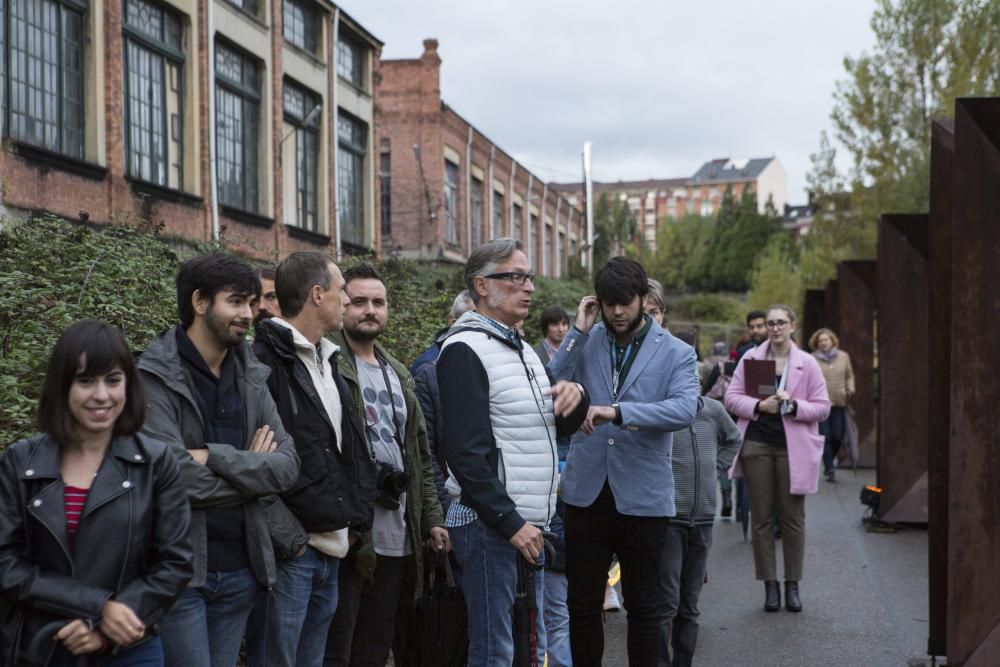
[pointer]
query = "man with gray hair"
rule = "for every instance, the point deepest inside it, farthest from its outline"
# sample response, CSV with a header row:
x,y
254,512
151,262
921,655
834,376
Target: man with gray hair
x,y
501,417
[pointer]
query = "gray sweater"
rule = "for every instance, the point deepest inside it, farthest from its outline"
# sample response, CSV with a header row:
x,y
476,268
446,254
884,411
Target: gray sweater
x,y
701,452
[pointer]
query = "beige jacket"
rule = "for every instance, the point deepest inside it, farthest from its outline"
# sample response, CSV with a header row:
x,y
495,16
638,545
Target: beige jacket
x,y
839,376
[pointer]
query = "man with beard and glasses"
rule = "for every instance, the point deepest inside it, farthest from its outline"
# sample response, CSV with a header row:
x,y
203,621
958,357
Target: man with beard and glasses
x,y
384,573
618,486
207,397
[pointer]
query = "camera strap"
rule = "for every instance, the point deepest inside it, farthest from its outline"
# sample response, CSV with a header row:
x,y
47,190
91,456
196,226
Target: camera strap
x,y
392,403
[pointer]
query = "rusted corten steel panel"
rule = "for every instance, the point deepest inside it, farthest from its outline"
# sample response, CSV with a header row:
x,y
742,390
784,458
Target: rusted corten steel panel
x,y
974,488
832,303
939,381
856,318
814,314
902,347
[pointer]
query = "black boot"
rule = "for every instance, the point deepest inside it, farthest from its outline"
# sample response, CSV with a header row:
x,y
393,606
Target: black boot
x,y
792,601
772,596
727,502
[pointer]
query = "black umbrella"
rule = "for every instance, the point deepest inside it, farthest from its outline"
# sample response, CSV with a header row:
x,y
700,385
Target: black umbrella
x,y
439,635
743,504
525,615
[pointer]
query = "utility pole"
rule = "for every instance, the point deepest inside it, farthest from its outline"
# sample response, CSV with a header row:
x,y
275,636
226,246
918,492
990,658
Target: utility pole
x,y
588,196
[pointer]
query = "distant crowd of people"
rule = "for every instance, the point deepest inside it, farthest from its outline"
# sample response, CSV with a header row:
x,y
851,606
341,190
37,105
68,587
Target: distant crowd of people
x,y
266,478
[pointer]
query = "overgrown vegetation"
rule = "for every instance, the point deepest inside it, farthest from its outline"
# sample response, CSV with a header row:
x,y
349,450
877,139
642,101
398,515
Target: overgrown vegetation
x,y
53,273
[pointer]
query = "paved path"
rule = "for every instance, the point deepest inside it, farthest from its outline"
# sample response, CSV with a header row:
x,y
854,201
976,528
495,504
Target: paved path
x,y
865,595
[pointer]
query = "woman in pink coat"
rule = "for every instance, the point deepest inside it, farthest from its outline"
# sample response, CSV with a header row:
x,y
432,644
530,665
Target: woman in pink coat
x,y
781,452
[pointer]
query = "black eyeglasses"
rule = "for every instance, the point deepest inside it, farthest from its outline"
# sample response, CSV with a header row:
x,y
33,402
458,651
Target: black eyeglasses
x,y
515,277
776,324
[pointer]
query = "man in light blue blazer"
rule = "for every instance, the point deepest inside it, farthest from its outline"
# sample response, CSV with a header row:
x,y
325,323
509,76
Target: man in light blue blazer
x,y
617,485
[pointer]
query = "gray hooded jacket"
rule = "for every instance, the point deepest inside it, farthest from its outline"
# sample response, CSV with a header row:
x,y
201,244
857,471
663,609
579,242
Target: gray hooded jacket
x,y
231,476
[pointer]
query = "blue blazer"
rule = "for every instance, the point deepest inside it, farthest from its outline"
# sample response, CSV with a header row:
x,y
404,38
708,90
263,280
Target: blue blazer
x,y
658,396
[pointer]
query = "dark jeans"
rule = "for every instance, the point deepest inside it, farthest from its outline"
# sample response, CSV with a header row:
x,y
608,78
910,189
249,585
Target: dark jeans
x,y
833,430
146,654
206,625
688,555
367,624
593,535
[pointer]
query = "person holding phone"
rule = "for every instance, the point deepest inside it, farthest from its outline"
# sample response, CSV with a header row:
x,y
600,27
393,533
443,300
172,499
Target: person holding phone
x,y
94,519
781,451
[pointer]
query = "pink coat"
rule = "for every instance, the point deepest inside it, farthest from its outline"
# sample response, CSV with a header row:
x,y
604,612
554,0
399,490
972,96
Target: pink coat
x,y
806,386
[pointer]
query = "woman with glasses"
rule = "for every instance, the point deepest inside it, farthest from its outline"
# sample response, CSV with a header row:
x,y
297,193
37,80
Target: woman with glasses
x,y
94,520
839,376
781,451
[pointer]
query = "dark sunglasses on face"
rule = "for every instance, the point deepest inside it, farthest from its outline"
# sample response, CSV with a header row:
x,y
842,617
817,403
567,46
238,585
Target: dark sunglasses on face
x,y
515,277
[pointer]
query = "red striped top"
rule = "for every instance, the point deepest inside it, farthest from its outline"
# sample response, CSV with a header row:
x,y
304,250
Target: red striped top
x,y
74,500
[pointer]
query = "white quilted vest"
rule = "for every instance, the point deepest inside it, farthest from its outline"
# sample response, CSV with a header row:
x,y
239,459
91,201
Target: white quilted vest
x,y
523,424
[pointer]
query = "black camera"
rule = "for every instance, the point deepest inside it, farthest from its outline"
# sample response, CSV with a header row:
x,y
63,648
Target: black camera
x,y
390,484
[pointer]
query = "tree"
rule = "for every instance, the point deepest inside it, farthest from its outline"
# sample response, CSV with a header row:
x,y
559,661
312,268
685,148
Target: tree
x,y
926,53
616,226
741,232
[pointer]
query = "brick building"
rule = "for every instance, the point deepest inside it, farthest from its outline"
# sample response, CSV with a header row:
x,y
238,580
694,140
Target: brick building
x,y
446,188
656,200
249,118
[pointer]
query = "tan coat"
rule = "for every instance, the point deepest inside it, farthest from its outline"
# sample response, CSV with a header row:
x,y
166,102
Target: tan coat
x,y
839,376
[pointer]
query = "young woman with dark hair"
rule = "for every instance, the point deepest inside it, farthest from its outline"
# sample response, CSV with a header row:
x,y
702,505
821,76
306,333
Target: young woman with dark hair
x,y
94,521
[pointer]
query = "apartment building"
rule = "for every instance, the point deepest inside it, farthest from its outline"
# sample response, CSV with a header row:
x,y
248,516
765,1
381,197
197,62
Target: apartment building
x,y
446,187
655,200
247,119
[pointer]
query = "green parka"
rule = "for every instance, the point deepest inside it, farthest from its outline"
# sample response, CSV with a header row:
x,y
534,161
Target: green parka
x,y
423,509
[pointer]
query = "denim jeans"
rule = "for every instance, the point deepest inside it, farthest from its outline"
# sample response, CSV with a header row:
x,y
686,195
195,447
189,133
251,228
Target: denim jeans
x,y
832,428
489,580
206,625
557,620
146,654
687,557
593,535
290,630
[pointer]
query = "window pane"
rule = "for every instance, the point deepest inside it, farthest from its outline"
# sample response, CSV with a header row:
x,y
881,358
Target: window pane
x,y
451,201
496,230
476,213
146,18
146,114
350,61
516,222
532,231
249,6
301,25
385,180
44,63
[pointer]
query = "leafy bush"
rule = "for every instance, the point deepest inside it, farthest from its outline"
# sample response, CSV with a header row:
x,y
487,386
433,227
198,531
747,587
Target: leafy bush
x,y
52,274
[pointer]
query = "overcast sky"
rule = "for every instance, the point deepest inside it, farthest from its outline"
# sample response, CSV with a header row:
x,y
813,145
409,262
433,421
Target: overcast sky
x,y
658,86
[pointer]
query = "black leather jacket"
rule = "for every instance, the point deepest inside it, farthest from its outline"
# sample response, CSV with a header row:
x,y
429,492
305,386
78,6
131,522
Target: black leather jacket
x,y
132,542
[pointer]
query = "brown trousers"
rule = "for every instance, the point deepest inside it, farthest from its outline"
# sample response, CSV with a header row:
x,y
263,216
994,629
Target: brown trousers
x,y
766,472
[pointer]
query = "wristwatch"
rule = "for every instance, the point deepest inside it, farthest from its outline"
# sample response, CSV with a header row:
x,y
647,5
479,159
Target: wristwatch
x,y
617,421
